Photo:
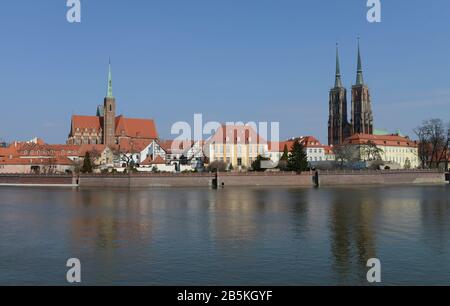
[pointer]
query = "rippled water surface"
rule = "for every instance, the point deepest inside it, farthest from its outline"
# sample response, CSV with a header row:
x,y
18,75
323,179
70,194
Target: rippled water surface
x,y
233,236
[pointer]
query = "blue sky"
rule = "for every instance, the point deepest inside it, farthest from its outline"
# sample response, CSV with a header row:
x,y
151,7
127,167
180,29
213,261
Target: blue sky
x,y
232,60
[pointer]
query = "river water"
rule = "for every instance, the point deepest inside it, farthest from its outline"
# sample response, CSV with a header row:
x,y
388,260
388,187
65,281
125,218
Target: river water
x,y
231,236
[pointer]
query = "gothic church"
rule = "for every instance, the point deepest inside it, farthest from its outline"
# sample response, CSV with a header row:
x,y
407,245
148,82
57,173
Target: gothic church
x,y
361,122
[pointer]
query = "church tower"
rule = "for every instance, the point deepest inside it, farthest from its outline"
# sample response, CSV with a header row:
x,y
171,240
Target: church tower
x,y
109,114
362,117
338,127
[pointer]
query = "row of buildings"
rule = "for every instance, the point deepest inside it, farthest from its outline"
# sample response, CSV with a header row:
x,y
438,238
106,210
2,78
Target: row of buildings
x,y
117,142
235,147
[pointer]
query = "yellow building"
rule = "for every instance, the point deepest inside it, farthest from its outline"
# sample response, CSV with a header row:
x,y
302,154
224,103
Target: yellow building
x,y
395,149
236,145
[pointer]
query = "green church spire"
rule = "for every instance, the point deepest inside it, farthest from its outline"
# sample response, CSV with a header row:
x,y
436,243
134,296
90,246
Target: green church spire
x,y
359,74
338,81
109,93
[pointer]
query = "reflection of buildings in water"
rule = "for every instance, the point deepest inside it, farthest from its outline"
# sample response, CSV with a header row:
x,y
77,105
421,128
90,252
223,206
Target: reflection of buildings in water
x,y
240,218
300,213
352,217
234,217
435,218
110,218
185,214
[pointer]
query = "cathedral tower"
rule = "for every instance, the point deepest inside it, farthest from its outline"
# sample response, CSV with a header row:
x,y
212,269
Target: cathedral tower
x,y
109,114
338,127
362,117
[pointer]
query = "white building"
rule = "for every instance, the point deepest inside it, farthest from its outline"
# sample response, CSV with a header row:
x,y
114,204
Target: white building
x,y
315,151
395,149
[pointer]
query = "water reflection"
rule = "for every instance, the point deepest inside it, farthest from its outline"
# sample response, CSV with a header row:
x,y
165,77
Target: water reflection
x,y
231,236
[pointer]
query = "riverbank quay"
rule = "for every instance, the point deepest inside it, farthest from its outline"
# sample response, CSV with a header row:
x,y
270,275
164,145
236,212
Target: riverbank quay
x,y
38,180
231,179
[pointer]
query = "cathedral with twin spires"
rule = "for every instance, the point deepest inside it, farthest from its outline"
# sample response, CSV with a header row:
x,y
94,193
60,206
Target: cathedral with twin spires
x,y
361,122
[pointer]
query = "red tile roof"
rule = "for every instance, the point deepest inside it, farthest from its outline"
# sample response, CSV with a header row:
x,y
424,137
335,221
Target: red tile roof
x,y
382,140
236,134
8,151
307,142
127,145
90,148
176,146
311,142
34,150
14,148
86,122
157,161
125,127
136,128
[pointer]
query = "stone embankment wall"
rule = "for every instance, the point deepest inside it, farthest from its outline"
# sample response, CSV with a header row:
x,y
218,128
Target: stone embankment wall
x,y
380,177
197,180
307,179
31,179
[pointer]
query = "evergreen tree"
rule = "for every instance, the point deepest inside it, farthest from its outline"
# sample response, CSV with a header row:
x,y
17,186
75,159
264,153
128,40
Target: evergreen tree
x,y
285,153
297,161
87,164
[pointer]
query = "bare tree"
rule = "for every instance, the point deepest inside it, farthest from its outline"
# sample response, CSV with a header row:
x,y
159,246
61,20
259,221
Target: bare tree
x,y
126,156
344,153
423,134
434,142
